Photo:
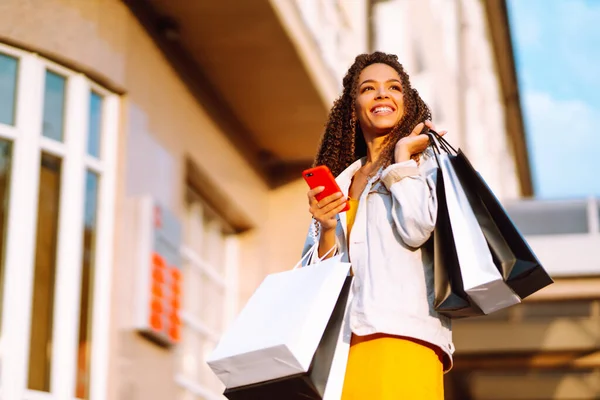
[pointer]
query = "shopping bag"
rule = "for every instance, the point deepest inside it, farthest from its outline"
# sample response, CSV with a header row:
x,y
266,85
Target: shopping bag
x,y
450,298
519,266
325,376
482,281
277,333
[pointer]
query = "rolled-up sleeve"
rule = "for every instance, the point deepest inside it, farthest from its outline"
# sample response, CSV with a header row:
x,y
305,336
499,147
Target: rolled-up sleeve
x,y
414,201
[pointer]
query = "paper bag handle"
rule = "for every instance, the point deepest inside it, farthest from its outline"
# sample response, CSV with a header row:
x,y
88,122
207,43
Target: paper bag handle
x,y
441,142
310,252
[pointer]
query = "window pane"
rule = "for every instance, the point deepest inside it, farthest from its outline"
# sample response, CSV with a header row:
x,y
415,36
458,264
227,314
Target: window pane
x,y
5,160
193,289
190,353
8,88
208,377
213,304
40,350
54,106
550,218
87,286
214,242
195,229
94,130
203,297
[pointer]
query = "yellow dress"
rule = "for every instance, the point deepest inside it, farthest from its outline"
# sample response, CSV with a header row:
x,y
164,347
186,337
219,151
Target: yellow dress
x,y
386,367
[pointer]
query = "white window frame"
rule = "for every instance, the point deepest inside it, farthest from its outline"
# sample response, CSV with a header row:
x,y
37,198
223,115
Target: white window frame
x,y
228,281
28,144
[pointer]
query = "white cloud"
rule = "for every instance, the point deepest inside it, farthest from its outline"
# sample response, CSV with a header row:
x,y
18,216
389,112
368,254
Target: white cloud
x,y
553,115
564,144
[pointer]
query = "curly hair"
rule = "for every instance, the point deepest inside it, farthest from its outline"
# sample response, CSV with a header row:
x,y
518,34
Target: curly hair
x,y
342,142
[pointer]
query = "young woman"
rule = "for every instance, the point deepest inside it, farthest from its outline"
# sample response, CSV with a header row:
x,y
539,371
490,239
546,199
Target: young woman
x,y
400,346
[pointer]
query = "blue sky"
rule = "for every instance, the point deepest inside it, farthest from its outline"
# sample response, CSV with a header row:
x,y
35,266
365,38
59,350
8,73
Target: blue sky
x,y
557,55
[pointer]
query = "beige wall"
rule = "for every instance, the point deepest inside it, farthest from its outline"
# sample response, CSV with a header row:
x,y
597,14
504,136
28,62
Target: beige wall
x,y
161,124
288,212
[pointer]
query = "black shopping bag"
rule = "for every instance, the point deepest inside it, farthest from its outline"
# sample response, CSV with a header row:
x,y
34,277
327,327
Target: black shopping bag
x,y
310,385
450,298
517,263
519,266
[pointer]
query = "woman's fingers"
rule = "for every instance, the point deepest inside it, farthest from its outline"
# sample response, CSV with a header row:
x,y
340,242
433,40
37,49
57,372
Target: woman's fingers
x,y
328,210
332,205
331,198
335,211
422,139
417,130
431,126
312,200
420,143
331,214
325,211
313,192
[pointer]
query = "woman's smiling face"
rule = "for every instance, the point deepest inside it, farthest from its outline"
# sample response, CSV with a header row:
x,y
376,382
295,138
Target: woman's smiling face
x,y
379,99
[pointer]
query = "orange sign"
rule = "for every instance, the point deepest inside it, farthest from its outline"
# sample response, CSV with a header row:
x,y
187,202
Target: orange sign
x,y
165,299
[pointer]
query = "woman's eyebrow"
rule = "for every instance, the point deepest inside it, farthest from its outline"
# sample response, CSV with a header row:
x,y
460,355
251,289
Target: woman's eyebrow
x,y
374,81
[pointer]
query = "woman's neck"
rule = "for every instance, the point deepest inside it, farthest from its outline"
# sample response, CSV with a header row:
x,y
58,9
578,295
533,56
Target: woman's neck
x,y
374,147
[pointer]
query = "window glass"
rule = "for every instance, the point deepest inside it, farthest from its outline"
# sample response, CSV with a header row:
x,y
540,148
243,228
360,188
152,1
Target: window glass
x,y
87,285
94,129
54,106
5,161
8,88
40,348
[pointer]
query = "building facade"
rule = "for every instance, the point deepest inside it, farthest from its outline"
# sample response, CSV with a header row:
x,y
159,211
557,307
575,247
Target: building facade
x,y
549,346
150,161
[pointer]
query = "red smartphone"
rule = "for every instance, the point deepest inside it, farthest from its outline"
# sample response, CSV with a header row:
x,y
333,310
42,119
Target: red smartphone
x,y
322,176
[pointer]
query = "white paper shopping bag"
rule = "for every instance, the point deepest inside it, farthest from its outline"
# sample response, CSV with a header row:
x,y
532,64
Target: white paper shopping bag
x,y
482,281
278,331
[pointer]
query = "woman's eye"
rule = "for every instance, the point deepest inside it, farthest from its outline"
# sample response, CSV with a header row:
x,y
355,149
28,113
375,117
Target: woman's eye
x,y
365,88
396,87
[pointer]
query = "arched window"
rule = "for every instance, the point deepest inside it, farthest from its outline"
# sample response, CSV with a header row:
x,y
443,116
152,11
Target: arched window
x,y
58,132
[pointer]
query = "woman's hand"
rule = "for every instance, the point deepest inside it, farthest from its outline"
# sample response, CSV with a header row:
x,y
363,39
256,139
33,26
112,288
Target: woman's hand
x,y
415,143
325,211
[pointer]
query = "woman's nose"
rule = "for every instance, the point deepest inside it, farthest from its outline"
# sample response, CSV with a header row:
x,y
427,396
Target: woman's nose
x,y
382,93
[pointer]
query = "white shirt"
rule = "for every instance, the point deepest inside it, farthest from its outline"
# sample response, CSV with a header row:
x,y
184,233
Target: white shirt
x,y
393,289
